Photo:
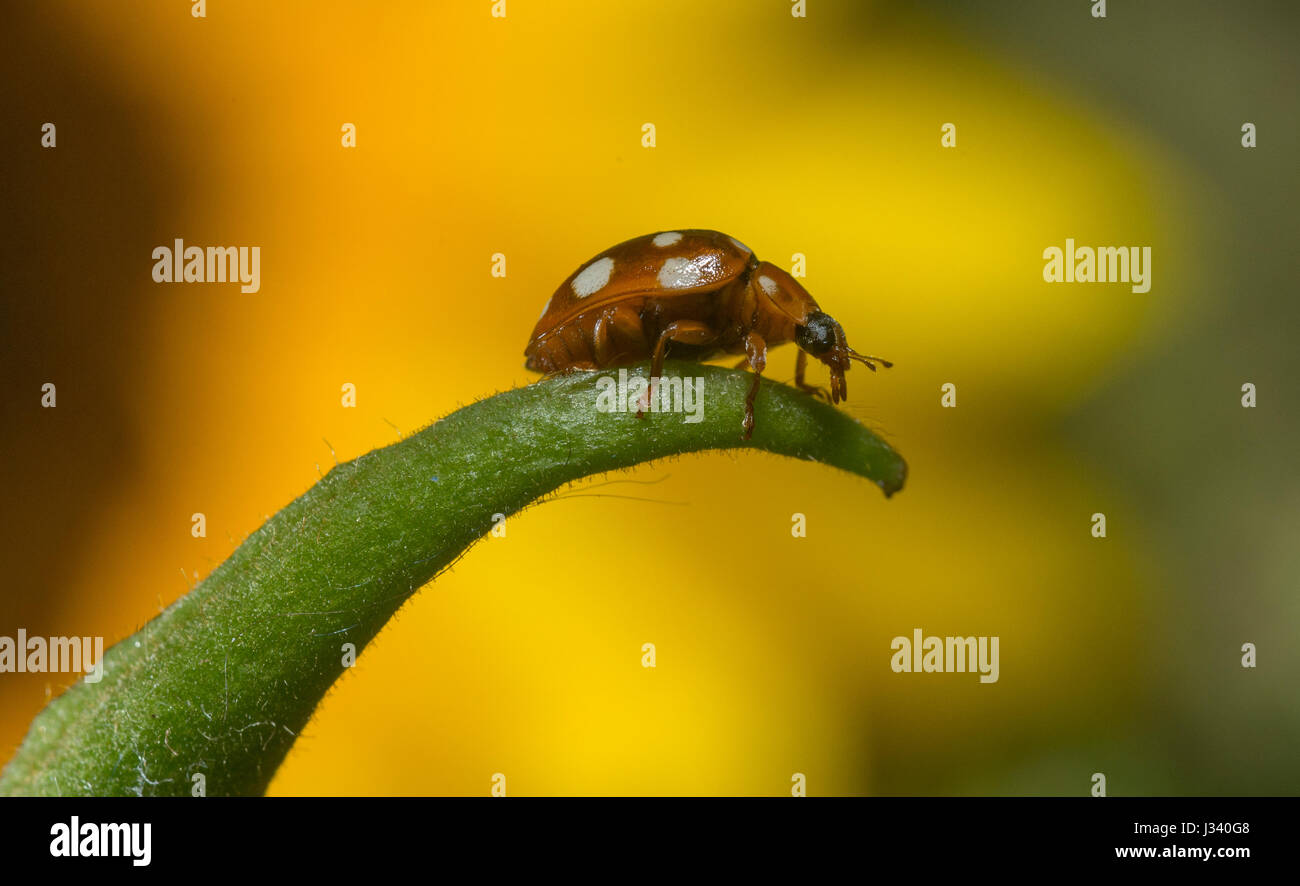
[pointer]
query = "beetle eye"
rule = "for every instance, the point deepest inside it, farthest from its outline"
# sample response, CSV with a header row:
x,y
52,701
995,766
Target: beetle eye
x,y
817,336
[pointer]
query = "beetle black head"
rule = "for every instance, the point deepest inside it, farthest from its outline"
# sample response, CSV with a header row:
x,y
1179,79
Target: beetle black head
x,y
819,334
822,337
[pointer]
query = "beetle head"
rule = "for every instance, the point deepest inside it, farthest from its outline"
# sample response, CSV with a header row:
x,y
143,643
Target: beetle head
x,y
823,338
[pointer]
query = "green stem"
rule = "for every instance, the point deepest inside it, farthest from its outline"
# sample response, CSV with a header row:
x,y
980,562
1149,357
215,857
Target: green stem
x,y
222,682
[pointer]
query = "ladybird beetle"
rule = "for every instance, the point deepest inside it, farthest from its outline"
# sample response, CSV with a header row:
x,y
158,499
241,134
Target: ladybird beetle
x,y
697,293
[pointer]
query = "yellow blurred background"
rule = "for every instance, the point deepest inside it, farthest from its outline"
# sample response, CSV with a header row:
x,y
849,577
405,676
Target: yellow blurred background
x,y
523,135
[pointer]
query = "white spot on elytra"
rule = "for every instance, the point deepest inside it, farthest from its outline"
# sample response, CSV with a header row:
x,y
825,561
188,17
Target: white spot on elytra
x,y
593,277
682,273
741,246
768,284
667,238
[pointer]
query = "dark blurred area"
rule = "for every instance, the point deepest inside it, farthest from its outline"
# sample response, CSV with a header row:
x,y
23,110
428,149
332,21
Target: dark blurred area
x,y
70,307
1215,487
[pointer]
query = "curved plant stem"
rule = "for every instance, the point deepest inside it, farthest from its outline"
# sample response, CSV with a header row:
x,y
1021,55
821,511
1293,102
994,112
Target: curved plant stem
x,y
221,682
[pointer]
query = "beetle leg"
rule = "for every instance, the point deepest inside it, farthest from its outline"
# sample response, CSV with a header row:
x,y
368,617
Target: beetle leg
x,y
801,367
601,347
618,333
756,353
551,366
688,332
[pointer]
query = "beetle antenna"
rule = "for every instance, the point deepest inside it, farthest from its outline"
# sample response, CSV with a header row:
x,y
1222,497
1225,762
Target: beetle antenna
x,y
867,360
